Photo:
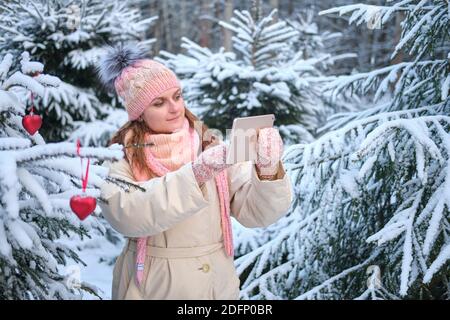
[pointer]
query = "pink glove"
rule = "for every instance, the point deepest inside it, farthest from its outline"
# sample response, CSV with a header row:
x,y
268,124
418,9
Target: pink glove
x,y
210,163
270,150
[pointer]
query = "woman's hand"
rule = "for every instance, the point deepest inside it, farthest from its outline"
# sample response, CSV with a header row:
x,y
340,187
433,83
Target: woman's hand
x,y
210,163
270,150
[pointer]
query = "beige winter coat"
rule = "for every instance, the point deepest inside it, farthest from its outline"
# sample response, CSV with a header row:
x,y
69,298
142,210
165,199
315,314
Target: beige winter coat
x,y
185,255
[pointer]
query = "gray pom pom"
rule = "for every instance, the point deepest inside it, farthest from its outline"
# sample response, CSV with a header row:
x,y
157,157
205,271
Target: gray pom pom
x,y
115,60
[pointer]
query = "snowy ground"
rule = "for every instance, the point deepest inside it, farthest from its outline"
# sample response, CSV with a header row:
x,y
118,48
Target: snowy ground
x,y
99,255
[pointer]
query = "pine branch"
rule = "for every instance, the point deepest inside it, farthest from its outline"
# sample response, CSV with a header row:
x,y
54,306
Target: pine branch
x,y
339,276
125,182
50,150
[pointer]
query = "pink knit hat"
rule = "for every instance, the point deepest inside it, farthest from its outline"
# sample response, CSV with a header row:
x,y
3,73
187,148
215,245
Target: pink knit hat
x,y
136,79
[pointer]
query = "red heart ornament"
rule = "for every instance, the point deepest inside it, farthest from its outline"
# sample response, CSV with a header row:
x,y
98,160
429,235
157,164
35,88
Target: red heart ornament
x,y
32,123
82,206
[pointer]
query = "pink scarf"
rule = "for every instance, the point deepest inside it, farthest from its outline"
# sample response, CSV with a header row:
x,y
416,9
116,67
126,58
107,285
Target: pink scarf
x,y
170,152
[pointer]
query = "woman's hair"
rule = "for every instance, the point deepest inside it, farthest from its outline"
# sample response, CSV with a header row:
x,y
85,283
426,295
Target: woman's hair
x,y
140,128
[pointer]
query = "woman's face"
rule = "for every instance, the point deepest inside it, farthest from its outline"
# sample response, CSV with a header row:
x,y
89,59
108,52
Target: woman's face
x,y
165,113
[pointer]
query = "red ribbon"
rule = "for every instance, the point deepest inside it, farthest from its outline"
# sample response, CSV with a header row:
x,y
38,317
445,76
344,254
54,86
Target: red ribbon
x,y
84,179
32,103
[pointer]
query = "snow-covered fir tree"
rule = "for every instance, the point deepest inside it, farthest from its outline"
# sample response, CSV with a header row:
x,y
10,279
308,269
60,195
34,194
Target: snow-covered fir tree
x,y
370,217
69,37
36,182
261,75
311,41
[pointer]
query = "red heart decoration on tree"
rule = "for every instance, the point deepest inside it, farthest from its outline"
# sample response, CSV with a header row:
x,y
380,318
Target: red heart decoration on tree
x,y
82,206
32,123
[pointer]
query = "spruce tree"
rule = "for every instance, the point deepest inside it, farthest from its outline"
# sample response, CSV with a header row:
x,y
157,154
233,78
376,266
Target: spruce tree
x,y
69,37
261,75
370,217
37,181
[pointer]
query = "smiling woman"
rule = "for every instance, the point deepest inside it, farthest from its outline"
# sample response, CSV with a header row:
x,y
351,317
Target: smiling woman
x,y
166,112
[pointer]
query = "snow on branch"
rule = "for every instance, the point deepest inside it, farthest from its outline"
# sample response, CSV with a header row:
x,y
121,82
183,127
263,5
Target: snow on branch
x,y
368,13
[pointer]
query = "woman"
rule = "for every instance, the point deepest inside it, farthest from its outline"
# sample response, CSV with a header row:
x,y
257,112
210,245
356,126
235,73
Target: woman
x,y
179,241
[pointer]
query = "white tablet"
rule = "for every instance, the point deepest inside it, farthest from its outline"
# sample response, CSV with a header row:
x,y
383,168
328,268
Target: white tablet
x,y
243,137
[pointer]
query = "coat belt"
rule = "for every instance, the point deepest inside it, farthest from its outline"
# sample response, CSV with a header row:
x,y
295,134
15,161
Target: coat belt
x,y
180,252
